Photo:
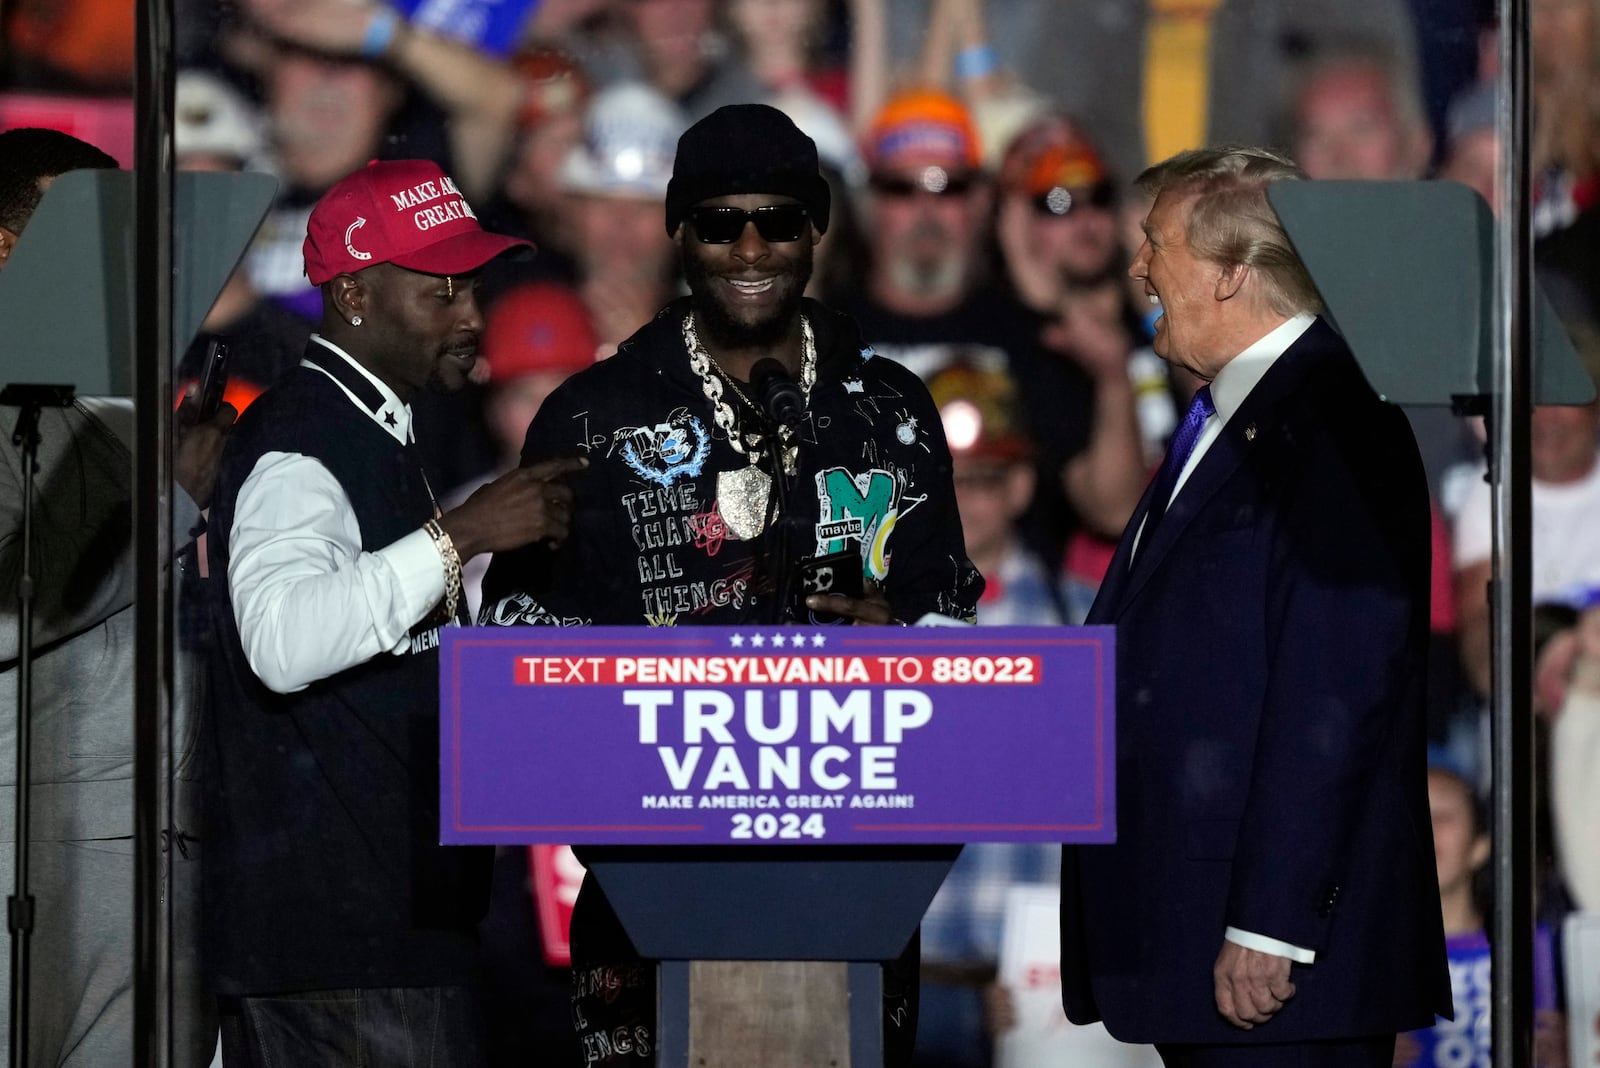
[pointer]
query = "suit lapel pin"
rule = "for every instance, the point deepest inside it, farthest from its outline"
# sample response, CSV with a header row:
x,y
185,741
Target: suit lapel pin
x,y
1250,432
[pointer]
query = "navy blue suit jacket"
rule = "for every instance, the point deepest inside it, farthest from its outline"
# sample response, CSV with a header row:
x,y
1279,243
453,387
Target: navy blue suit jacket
x,y
1271,760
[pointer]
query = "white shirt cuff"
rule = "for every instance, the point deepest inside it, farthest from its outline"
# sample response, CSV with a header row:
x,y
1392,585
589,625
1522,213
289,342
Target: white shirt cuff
x,y
416,561
1263,944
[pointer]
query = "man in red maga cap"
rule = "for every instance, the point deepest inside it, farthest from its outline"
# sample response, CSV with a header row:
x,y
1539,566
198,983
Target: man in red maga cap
x,y
335,923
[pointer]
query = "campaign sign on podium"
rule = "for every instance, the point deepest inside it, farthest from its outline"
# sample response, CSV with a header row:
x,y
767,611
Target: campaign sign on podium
x,y
768,735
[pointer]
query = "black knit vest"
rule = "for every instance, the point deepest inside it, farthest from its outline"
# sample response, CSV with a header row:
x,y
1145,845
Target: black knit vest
x,y
322,868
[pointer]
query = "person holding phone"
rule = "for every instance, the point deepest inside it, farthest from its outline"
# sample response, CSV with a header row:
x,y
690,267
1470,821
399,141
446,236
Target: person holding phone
x,y
719,486
81,824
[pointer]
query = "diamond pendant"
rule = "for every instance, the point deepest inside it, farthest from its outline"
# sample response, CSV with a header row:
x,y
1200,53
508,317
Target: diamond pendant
x,y
742,499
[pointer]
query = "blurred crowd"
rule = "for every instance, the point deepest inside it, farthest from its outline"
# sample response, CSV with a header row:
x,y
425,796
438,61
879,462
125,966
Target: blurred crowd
x,y
981,154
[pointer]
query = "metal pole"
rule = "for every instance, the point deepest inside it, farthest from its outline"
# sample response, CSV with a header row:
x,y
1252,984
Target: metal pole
x,y
20,910
152,527
1512,717
19,907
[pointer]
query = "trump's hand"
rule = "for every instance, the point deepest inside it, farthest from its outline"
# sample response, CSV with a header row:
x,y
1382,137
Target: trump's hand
x,y
1251,986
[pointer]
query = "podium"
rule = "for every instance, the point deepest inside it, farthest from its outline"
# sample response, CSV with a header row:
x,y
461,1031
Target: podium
x,y
769,811
765,950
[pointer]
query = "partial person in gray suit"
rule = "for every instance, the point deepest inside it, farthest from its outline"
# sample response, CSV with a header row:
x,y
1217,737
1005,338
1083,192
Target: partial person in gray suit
x,y
81,803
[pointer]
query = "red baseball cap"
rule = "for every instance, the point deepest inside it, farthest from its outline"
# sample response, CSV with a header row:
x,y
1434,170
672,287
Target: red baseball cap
x,y
538,326
406,212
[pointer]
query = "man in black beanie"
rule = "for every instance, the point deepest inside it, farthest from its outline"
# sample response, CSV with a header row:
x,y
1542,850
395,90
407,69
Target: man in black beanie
x,y
737,398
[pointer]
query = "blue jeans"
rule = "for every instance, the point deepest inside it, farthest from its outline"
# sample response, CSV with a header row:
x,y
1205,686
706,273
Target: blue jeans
x,y
384,1027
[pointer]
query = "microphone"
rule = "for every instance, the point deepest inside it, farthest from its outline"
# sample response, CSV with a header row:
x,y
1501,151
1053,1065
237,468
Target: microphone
x,y
780,394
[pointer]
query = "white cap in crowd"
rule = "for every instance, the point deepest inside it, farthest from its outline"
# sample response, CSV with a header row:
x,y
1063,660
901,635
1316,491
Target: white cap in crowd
x,y
630,135
819,121
211,118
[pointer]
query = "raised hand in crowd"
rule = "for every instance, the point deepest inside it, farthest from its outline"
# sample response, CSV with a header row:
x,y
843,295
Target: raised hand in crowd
x,y
1105,480
481,94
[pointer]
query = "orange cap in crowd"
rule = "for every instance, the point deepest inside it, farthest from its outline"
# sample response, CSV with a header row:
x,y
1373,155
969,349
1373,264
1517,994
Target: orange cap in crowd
x,y
538,326
1052,153
1063,167
923,127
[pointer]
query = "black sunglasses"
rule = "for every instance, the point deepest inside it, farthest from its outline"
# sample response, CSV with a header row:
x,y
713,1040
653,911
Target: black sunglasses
x,y
1060,200
775,222
953,185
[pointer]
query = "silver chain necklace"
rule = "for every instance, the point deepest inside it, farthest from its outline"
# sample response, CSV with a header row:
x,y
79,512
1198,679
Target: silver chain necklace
x,y
743,494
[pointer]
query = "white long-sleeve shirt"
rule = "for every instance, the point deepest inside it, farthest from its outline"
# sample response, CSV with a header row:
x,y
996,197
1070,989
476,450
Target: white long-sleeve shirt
x,y
308,601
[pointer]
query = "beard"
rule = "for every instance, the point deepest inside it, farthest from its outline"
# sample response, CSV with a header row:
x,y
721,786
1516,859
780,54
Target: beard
x,y
448,375
930,263
930,279
715,319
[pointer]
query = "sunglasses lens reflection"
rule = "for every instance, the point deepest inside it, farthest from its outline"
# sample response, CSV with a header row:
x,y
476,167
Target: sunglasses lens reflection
x,y
1060,200
936,183
723,226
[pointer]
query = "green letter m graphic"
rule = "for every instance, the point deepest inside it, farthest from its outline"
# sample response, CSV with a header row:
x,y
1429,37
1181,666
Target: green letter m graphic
x,y
855,506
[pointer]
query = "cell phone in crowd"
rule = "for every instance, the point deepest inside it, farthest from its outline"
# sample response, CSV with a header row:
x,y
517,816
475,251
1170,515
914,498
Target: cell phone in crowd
x,y
213,380
838,572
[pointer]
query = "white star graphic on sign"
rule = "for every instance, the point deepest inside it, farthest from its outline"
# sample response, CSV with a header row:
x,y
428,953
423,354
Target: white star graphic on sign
x,y
777,639
737,641
757,640
818,640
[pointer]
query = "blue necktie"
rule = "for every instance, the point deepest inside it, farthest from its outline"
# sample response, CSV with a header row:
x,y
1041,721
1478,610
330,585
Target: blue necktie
x,y
1183,442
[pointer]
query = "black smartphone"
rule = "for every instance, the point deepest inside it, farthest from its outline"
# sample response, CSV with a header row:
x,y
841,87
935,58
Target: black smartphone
x,y
213,380
838,572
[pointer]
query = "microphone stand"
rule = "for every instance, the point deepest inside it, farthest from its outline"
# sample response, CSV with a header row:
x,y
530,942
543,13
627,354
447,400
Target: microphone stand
x,y
20,905
783,408
778,522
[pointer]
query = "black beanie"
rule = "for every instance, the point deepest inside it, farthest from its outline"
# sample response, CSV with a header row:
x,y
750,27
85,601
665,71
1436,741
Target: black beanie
x,y
746,148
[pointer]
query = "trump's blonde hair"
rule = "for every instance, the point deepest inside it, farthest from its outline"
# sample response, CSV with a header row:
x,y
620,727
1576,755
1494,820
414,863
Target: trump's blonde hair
x,y
1232,222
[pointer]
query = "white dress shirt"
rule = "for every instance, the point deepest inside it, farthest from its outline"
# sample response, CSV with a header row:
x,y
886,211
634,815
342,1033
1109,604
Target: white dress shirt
x,y
308,601
1235,381
1229,389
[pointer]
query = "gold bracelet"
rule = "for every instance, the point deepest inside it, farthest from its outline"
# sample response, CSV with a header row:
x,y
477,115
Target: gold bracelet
x,y
452,565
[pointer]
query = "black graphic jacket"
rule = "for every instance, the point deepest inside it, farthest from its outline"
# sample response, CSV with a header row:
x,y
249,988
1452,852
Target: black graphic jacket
x,y
649,541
